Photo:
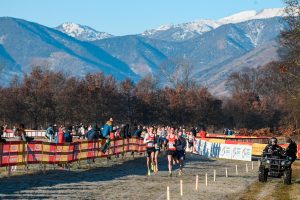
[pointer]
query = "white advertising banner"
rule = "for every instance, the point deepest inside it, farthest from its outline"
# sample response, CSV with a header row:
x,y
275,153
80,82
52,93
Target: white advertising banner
x,y
30,133
220,150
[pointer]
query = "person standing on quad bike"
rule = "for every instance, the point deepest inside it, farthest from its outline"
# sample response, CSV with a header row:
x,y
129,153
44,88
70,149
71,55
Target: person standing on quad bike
x,y
291,150
273,147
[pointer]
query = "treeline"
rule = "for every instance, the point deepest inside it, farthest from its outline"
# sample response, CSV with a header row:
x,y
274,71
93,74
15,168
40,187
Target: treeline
x,y
45,97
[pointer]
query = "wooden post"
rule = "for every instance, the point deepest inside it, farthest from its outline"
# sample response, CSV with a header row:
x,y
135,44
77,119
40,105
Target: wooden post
x,y
181,189
226,173
236,170
252,165
168,193
246,168
196,187
206,179
214,175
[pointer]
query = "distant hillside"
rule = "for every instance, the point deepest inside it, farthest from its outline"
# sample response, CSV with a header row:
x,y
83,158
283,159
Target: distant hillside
x,y
214,48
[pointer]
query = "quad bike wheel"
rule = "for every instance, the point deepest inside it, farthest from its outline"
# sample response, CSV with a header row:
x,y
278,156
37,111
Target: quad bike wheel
x,y
287,176
263,174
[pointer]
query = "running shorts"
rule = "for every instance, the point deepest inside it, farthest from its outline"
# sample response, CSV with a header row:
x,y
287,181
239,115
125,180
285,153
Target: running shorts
x,y
149,151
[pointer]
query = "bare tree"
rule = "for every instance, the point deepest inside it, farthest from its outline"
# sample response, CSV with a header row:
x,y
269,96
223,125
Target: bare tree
x,y
178,72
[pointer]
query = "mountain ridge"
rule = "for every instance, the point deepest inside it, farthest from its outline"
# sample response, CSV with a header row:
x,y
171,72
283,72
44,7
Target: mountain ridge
x,y
214,54
189,30
82,32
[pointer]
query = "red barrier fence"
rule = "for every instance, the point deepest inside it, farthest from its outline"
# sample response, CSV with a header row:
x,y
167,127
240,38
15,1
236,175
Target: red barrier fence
x,y
20,153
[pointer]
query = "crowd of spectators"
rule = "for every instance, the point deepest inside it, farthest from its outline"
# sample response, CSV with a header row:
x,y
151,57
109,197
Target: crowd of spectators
x,y
90,132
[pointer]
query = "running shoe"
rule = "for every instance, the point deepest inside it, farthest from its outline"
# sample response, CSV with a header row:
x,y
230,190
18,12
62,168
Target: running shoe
x,y
152,167
170,174
180,172
149,173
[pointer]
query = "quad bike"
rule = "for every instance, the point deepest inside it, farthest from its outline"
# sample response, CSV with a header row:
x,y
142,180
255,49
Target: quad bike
x,y
275,165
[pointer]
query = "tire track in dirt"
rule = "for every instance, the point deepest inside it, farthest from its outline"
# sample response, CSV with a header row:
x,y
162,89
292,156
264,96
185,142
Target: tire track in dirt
x,y
266,190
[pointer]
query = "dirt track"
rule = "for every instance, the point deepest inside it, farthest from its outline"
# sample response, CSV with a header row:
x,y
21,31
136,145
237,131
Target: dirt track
x,y
127,180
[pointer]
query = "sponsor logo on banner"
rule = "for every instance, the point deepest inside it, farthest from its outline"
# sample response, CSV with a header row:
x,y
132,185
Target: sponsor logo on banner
x,y
14,148
13,159
38,147
221,150
225,151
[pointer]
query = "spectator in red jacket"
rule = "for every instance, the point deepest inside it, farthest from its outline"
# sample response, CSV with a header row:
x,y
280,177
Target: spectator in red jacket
x,y
59,138
203,133
60,135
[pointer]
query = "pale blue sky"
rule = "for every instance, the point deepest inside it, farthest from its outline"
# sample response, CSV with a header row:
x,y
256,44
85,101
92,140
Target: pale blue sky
x,y
122,17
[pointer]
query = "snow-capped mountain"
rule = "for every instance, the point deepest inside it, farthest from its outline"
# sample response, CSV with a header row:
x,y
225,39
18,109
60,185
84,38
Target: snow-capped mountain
x,y
82,32
38,45
216,48
183,31
252,14
186,31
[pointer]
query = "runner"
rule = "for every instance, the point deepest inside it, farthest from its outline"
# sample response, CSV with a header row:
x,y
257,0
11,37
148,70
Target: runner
x,y
172,138
149,140
184,134
190,142
158,141
180,150
164,134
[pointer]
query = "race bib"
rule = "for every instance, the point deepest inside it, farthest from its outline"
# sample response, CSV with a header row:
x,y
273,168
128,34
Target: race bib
x,y
150,144
171,145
